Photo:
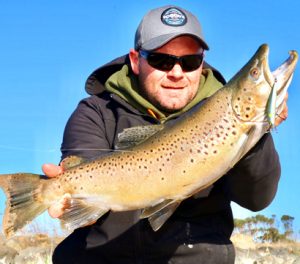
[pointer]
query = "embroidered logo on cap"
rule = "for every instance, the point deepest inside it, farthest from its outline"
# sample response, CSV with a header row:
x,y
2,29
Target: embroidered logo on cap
x,y
173,17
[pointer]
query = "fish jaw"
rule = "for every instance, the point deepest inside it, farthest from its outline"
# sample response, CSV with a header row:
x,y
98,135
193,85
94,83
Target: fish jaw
x,y
283,77
284,73
259,92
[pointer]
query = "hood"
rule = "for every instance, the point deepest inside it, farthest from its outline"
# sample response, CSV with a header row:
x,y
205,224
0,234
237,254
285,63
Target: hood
x,y
125,84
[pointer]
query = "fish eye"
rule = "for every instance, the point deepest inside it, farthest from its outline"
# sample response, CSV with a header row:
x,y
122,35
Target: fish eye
x,y
255,72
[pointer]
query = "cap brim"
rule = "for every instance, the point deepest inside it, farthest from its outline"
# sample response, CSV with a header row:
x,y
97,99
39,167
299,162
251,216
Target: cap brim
x,y
157,42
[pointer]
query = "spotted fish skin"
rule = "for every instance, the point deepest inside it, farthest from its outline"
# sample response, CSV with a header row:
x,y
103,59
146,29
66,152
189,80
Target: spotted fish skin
x,y
174,163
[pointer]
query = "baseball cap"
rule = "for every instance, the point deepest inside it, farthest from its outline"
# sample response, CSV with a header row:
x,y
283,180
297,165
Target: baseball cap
x,y
163,24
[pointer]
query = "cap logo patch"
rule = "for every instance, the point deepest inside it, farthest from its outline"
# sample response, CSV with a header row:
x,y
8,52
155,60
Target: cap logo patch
x,y
173,17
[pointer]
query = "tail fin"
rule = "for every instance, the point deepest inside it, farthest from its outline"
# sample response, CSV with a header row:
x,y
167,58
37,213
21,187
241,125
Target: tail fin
x,y
23,200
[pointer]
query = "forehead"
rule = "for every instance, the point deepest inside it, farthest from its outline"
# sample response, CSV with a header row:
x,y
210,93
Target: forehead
x,y
181,45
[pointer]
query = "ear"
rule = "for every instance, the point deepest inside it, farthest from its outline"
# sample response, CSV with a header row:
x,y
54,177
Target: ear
x,y
134,61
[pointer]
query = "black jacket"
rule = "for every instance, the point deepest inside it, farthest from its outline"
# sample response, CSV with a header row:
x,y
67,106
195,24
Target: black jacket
x,y
201,227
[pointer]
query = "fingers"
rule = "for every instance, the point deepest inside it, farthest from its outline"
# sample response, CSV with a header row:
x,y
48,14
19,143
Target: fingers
x,y
56,210
283,115
51,170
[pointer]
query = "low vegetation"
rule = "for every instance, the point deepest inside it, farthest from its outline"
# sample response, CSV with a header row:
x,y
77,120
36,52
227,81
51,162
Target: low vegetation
x,y
264,229
257,239
261,240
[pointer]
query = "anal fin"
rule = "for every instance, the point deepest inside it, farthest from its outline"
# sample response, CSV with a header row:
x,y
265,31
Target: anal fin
x,y
157,215
81,213
246,142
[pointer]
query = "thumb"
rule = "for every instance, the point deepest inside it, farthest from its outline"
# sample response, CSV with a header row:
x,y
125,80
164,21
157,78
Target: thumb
x,y
51,170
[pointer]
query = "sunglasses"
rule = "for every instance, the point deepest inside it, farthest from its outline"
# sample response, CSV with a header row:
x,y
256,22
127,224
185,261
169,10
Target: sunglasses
x,y
166,62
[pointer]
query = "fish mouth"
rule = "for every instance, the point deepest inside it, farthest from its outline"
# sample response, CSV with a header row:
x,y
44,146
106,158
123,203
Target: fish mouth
x,y
281,77
279,81
284,73
264,91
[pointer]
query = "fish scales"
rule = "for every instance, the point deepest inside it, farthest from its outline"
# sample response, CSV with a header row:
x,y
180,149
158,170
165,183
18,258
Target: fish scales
x,y
171,163
174,161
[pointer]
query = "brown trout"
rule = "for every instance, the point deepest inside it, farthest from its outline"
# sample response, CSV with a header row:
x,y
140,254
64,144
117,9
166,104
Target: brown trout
x,y
163,164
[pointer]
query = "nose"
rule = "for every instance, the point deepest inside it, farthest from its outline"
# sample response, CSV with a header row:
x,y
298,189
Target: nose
x,y
176,71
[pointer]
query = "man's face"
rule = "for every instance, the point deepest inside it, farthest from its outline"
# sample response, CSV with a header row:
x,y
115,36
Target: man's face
x,y
174,89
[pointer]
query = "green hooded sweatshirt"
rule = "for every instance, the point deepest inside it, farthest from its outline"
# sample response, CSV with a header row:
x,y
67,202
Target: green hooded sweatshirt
x,y
125,84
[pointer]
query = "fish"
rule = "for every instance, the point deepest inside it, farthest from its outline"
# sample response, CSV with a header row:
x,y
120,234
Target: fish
x,y
158,166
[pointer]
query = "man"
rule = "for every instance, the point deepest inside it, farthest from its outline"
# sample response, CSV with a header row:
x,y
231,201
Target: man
x,y
160,81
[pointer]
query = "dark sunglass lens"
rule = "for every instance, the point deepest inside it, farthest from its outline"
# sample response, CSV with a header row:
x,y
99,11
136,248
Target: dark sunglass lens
x,y
161,61
166,62
191,62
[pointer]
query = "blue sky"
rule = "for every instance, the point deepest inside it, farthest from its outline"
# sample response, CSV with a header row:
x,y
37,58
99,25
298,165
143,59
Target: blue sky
x,y
48,49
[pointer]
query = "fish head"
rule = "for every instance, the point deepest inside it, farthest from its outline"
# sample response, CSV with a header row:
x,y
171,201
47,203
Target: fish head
x,y
258,92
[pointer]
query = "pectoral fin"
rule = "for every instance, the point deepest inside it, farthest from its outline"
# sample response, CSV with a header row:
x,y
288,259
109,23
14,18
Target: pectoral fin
x,y
160,213
82,212
246,142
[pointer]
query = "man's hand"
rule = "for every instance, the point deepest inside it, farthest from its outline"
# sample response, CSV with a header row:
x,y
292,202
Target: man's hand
x,y
51,170
56,210
283,115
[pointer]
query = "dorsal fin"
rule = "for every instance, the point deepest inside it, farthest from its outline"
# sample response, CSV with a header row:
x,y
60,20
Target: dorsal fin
x,y
71,161
135,135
